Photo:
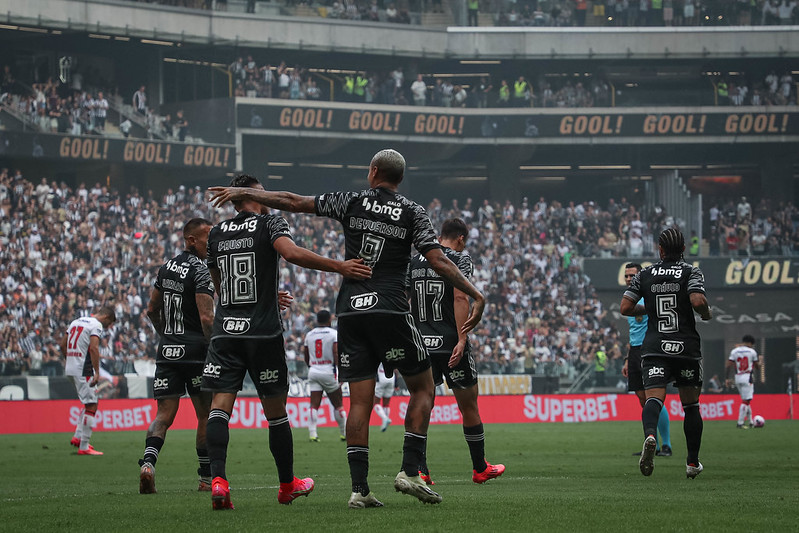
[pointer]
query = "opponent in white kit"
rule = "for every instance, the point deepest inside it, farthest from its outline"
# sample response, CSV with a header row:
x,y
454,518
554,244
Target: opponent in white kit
x,y
384,390
81,346
321,356
743,361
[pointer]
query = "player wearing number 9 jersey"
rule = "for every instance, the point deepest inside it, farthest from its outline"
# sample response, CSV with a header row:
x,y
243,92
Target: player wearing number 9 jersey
x,y
672,290
374,324
243,259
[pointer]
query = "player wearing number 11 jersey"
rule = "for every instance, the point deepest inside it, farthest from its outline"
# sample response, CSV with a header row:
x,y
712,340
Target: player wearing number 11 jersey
x,y
672,290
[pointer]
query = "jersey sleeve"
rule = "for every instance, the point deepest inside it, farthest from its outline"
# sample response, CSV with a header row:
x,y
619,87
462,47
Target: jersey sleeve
x,y
334,334
696,281
278,227
210,259
333,204
202,280
408,277
465,265
96,329
732,355
633,291
424,236
157,282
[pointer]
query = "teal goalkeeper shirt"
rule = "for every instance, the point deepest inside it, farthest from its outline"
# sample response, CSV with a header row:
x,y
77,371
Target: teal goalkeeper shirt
x,y
637,327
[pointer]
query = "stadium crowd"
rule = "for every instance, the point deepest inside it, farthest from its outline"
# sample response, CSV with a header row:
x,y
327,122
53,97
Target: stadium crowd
x,y
67,251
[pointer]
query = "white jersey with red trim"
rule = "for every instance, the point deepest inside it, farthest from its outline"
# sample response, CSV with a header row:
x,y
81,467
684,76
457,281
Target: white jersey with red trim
x,y
79,334
319,342
744,358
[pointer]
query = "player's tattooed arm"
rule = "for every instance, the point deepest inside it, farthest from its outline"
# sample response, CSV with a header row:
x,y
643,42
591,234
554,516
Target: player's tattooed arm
x,y
282,200
352,268
450,272
155,311
630,307
461,308
205,306
700,305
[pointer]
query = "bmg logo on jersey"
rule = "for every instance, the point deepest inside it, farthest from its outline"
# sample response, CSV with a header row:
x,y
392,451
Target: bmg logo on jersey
x,y
173,351
362,302
251,224
269,376
672,347
394,212
657,372
671,271
433,342
160,383
212,371
236,325
181,270
395,354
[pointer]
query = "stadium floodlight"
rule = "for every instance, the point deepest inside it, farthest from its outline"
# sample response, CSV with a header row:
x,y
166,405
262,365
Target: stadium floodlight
x,y
545,167
604,167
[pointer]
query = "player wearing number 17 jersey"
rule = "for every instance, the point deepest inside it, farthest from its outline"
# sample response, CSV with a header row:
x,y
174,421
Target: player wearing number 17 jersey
x,y
439,310
374,323
672,290
243,259
742,362
321,356
81,346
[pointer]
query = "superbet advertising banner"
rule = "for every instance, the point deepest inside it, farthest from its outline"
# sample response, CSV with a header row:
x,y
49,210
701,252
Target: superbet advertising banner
x,y
51,416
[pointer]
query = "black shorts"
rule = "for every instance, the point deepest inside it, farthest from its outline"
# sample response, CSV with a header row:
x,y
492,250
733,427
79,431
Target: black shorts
x,y
660,371
463,376
229,359
174,380
366,340
635,380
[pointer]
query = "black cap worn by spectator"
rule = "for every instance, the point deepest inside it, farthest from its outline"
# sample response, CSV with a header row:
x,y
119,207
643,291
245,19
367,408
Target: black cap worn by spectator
x,y
323,317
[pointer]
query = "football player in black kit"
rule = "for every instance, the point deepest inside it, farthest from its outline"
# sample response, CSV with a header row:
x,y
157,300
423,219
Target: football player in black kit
x,y
375,324
439,311
182,310
243,259
672,290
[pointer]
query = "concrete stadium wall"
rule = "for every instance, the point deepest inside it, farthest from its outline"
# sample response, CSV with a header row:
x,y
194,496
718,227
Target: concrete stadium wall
x,y
195,26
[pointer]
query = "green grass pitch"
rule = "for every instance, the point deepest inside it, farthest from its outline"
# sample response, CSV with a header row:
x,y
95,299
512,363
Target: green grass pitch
x,y
560,477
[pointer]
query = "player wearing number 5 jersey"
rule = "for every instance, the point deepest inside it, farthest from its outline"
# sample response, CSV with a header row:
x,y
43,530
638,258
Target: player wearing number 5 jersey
x,y
181,309
81,346
374,324
743,361
672,290
321,356
247,337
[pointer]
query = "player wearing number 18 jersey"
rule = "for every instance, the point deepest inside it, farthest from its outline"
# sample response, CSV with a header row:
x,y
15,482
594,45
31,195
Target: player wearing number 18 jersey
x,y
439,310
243,259
321,356
672,290
374,323
182,310
742,362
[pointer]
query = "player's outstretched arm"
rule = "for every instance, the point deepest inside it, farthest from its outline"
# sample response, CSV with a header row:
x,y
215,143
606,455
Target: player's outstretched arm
x,y
700,305
352,268
450,272
282,200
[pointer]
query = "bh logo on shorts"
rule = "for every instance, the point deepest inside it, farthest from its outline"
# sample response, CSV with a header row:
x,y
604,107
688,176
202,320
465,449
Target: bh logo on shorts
x,y
362,302
395,354
456,375
212,371
268,376
687,374
433,342
236,325
344,360
672,347
657,372
173,351
160,383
